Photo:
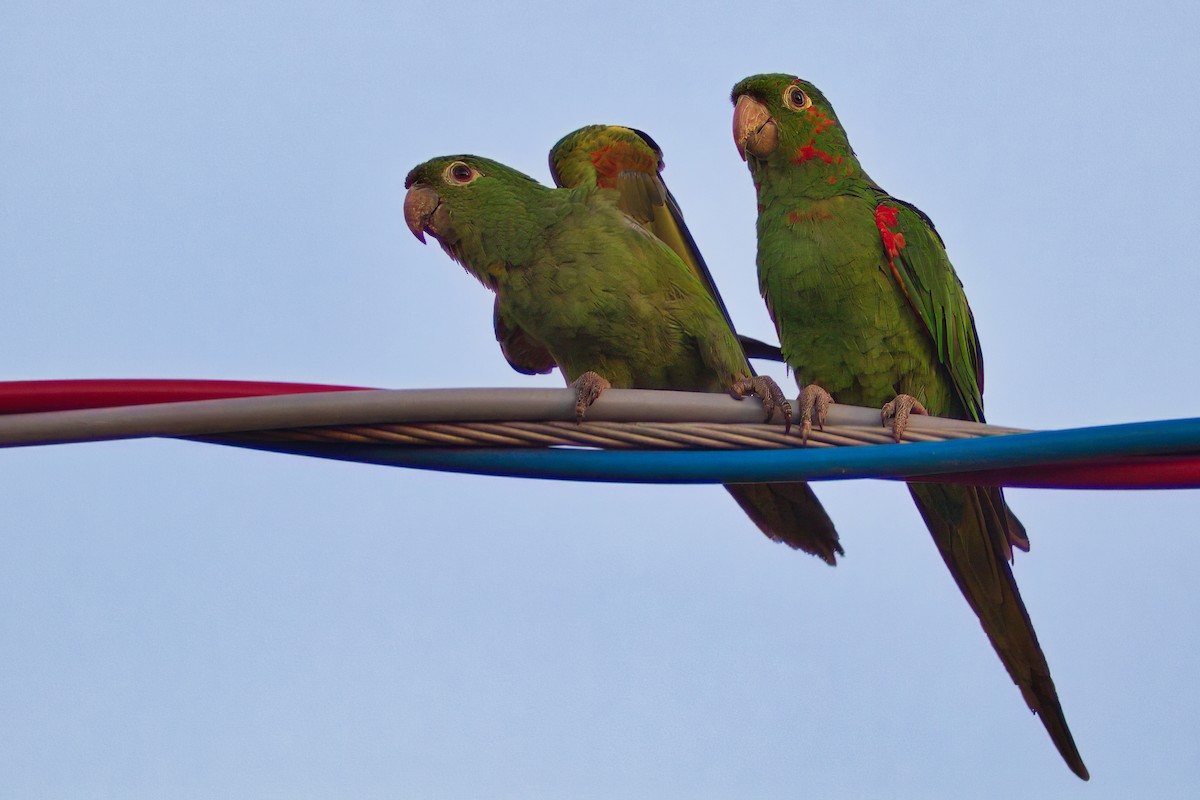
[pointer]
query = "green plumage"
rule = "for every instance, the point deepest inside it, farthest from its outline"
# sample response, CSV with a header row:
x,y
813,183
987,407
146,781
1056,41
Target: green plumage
x,y
579,284
868,306
573,272
631,163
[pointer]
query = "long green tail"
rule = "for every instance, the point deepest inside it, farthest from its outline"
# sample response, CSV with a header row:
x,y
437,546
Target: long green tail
x,y
969,525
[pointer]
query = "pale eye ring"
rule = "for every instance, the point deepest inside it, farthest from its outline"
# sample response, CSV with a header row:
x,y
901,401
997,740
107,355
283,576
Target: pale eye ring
x,y
461,173
796,99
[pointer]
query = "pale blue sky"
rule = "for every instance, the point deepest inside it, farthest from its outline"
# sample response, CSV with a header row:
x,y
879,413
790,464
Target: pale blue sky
x,y
216,193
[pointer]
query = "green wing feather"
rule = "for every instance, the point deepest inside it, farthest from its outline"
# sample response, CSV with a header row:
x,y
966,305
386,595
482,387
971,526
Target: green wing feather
x,y
936,295
629,161
645,197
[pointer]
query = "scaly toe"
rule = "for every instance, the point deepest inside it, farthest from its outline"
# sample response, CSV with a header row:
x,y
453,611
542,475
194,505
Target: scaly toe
x,y
813,400
898,411
768,391
588,387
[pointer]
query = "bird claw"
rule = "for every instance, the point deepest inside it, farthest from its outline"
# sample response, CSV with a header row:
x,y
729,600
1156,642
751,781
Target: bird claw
x,y
813,398
898,410
588,387
768,391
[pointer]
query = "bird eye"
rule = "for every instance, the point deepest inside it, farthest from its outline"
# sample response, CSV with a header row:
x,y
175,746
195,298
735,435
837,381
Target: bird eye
x,y
795,98
461,173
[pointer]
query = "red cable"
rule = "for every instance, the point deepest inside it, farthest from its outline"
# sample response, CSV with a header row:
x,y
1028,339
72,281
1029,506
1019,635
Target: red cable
x,y
1147,472
22,397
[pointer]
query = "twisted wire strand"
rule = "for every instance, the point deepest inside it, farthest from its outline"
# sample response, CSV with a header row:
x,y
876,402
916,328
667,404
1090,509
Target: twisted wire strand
x,y
605,435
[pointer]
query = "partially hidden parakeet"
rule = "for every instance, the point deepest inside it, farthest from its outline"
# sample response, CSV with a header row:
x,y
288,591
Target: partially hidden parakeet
x,y
870,312
630,162
581,286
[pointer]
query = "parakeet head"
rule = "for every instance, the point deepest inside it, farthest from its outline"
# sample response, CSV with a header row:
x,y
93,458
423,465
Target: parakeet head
x,y
447,191
477,209
781,118
596,154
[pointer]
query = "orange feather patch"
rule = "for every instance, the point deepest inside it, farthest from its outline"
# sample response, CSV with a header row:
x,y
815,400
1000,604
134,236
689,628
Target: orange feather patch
x,y
820,121
808,216
613,159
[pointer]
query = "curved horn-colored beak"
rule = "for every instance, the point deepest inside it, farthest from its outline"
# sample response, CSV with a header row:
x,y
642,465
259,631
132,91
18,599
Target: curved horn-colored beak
x,y
419,205
754,131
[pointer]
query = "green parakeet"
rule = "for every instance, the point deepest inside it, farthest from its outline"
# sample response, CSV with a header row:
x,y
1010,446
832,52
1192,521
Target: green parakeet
x,y
580,285
869,310
629,161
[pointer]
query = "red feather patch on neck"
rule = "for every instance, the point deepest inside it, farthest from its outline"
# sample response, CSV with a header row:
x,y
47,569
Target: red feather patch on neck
x,y
820,121
810,151
613,159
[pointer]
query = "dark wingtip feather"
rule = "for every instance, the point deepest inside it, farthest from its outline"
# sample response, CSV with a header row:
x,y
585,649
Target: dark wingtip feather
x,y
790,513
756,348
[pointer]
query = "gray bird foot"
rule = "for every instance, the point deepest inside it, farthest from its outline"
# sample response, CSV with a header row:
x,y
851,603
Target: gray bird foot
x,y
588,387
813,399
898,410
767,390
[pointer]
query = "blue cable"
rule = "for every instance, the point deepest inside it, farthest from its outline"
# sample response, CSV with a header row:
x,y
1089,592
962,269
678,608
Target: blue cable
x,y
1165,438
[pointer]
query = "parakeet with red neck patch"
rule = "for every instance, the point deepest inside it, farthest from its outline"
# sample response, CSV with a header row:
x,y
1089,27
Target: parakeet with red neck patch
x,y
581,286
870,312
